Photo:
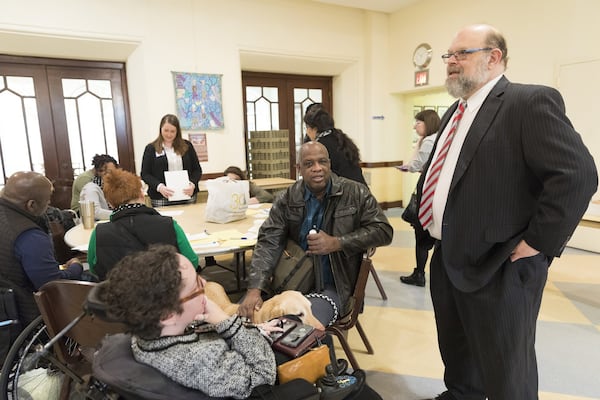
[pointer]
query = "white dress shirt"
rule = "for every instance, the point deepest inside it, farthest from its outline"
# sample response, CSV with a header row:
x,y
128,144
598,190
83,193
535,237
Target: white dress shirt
x,y
443,186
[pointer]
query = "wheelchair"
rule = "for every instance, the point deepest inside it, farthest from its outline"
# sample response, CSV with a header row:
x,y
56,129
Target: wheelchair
x,y
74,351
51,358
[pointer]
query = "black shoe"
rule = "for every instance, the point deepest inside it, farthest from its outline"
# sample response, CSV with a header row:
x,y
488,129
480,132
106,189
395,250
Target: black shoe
x,y
417,278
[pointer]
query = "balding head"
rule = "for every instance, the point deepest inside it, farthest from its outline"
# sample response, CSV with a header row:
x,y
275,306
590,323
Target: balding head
x,y
476,56
29,191
315,167
488,36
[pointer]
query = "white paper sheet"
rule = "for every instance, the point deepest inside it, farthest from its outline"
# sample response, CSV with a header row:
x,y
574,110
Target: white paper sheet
x,y
170,213
177,180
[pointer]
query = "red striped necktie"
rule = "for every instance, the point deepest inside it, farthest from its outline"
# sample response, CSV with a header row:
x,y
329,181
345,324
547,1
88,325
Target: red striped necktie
x,y
425,208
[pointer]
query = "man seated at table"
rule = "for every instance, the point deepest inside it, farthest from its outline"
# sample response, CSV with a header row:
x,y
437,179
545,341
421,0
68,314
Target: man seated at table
x,y
27,258
132,226
347,220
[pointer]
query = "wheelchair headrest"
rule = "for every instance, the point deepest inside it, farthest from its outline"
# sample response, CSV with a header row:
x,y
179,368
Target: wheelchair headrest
x,y
96,306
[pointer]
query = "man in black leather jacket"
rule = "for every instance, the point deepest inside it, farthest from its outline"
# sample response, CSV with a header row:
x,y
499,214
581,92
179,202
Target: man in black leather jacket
x,y
346,218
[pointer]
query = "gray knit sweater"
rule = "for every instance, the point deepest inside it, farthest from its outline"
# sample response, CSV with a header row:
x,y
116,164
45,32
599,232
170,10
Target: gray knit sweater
x,y
227,363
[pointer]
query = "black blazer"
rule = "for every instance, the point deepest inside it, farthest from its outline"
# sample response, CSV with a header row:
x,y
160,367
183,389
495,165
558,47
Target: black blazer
x,y
523,173
154,167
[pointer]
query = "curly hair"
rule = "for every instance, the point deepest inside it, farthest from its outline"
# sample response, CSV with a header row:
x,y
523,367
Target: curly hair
x,y
121,187
143,289
316,117
100,160
179,144
431,120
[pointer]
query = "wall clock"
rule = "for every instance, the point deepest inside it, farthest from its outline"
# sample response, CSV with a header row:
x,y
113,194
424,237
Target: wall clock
x,y
422,56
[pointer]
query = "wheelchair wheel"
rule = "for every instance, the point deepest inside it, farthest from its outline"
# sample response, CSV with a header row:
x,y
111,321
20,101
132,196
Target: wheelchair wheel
x,y
24,374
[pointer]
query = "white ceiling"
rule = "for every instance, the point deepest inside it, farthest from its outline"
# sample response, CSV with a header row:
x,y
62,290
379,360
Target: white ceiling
x,y
386,6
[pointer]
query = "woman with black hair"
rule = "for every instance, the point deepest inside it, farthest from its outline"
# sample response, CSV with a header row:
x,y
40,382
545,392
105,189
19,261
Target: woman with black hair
x,y
343,152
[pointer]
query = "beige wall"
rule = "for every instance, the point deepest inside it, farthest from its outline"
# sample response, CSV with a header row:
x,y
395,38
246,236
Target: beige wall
x,y
368,53
156,37
542,37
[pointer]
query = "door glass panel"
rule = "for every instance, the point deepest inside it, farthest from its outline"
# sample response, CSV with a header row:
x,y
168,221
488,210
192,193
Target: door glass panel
x,y
22,85
20,141
35,137
73,87
271,94
263,115
303,97
100,88
90,120
262,108
252,93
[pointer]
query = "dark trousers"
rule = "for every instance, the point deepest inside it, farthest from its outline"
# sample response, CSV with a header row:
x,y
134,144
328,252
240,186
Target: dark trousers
x,y
423,243
486,338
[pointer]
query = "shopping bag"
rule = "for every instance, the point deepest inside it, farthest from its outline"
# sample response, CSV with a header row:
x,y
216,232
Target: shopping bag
x,y
227,200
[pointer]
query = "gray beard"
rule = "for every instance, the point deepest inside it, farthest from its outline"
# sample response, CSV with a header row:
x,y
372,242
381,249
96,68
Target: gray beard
x,y
461,87
464,86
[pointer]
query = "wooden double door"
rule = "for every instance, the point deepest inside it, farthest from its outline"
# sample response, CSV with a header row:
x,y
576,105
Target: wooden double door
x,y
55,115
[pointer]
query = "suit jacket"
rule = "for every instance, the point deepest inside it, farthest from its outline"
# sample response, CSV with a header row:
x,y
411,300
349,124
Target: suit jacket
x,y
154,167
523,173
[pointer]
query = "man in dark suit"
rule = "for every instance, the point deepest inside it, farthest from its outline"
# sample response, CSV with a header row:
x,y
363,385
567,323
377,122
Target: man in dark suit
x,y
515,181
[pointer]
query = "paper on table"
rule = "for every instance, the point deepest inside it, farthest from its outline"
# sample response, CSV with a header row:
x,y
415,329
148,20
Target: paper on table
x,y
177,180
170,213
204,245
197,236
226,235
239,243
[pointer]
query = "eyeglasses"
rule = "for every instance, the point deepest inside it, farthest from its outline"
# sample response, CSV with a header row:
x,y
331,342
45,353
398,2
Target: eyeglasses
x,y
197,292
461,55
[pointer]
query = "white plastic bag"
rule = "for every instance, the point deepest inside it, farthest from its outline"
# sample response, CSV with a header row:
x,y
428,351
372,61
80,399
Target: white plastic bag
x,y
227,200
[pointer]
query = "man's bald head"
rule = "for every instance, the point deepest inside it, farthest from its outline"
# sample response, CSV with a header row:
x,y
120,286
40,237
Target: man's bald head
x,y
310,147
30,191
315,167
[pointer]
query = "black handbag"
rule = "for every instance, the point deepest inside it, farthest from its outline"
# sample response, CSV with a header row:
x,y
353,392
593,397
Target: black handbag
x,y
294,270
411,212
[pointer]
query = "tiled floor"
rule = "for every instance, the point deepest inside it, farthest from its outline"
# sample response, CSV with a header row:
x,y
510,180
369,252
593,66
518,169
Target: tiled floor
x,y
407,364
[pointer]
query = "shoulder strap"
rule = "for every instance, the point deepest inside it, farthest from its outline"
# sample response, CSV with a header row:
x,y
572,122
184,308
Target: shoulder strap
x,y
291,274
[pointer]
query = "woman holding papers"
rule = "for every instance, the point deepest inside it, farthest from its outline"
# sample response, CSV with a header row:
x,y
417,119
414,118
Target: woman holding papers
x,y
132,227
170,166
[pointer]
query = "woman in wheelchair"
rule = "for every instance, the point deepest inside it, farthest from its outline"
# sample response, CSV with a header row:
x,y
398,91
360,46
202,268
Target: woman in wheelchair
x,y
180,332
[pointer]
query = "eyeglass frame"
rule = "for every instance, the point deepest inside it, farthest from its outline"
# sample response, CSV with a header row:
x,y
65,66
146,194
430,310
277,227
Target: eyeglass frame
x,y
461,55
197,292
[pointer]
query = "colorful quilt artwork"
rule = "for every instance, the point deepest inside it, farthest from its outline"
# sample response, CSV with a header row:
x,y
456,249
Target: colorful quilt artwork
x,y
198,100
